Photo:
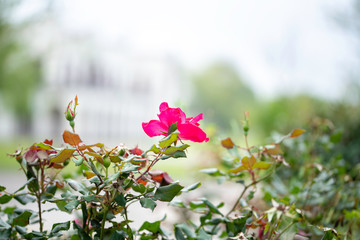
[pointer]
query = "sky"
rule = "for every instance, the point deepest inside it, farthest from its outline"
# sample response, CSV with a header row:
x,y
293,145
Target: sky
x,y
278,46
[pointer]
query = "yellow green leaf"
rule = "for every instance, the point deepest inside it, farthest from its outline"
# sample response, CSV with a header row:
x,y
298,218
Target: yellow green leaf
x,y
64,155
261,165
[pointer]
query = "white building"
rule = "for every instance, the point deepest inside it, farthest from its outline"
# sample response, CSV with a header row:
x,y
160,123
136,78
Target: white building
x,y
118,89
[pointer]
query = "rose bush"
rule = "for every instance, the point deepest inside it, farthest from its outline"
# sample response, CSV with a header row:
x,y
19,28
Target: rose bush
x,y
105,181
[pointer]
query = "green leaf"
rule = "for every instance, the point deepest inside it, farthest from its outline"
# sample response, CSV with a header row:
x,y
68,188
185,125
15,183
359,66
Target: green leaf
x,y
191,187
4,225
153,149
44,146
94,169
261,165
72,205
120,200
179,154
166,142
151,227
172,150
2,188
33,184
57,227
213,172
128,167
23,219
5,198
148,203
64,155
113,177
118,235
77,186
202,235
167,193
78,162
140,188
5,234
178,234
89,198
95,180
211,206
186,230
25,198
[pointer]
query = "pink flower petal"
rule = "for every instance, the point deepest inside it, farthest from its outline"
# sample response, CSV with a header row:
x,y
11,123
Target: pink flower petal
x,y
191,132
163,106
155,128
172,115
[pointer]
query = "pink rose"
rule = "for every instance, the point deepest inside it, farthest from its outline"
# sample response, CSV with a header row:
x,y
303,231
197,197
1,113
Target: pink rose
x,y
188,127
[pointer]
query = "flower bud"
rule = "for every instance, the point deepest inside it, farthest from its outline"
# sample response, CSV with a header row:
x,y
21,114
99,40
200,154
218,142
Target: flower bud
x,y
107,161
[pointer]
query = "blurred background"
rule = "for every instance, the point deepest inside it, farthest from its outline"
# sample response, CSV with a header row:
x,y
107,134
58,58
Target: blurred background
x,y
287,63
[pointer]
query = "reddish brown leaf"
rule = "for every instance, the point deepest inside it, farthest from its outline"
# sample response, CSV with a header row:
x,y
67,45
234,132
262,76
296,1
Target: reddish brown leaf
x,y
88,147
273,150
296,132
64,155
227,143
161,177
71,138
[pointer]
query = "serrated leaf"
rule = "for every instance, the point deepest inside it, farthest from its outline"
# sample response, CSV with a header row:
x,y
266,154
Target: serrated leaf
x,y
43,146
98,157
57,227
71,138
213,172
166,142
23,219
273,149
77,186
153,149
25,199
167,193
261,165
128,167
120,200
186,230
211,206
72,205
172,150
151,227
227,143
296,132
179,154
191,187
64,155
5,199
88,147
148,203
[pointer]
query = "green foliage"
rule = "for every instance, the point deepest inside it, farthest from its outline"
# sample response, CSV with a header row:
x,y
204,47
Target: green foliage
x,y
308,189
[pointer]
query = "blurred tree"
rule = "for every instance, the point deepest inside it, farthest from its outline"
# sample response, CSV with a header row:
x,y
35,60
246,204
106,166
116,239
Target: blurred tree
x,y
220,93
19,72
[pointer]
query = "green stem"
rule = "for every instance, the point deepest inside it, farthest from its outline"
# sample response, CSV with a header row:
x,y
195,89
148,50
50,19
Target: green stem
x,y
246,188
285,229
106,210
131,237
38,197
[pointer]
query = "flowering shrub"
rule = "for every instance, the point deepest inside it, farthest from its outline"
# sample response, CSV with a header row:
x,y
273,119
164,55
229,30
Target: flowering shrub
x,y
106,181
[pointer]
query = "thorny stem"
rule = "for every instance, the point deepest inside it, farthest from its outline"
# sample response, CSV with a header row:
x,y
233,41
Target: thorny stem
x,y
246,188
150,166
